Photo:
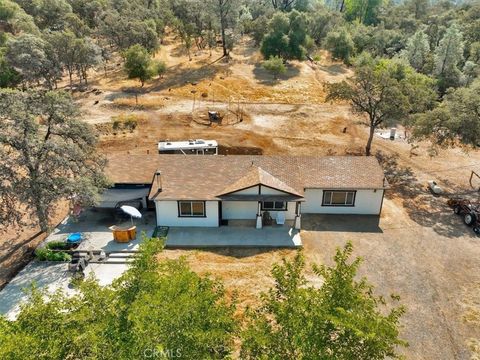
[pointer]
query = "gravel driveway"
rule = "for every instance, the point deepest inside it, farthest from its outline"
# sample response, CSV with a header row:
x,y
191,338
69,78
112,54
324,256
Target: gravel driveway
x,y
433,265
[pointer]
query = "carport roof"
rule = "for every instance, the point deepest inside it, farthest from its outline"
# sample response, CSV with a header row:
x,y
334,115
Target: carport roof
x,y
205,177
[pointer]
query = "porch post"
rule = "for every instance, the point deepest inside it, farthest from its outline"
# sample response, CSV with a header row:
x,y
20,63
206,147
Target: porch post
x,y
259,216
298,216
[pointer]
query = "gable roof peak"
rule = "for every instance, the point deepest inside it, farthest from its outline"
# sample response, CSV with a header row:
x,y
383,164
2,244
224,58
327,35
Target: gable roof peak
x,y
258,176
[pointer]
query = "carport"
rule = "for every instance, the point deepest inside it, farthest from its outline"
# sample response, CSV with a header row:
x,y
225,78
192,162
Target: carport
x,y
122,193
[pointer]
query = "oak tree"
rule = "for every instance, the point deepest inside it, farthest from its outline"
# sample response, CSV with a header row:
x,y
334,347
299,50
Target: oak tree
x,y
46,154
386,91
342,319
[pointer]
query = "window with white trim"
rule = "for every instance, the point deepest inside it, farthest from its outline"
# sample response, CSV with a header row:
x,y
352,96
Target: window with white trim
x,y
191,208
274,205
338,198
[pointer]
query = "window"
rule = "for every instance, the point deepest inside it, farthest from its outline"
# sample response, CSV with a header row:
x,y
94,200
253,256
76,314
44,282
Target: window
x,y
274,205
338,198
191,208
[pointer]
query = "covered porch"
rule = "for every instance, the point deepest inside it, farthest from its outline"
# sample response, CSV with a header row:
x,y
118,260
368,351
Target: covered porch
x,y
259,211
233,236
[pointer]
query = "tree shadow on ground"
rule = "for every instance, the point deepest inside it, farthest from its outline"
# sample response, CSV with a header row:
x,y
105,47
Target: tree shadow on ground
x,y
341,223
177,76
179,50
335,69
422,206
244,252
248,49
266,78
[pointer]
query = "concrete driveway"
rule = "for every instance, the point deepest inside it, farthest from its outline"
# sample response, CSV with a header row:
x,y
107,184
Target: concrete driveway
x,y
233,236
435,269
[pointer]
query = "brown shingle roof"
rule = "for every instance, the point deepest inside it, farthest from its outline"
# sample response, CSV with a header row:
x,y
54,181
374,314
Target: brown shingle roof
x,y
205,177
257,176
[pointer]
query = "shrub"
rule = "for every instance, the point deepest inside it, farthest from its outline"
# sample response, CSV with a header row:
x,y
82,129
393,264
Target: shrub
x,y
130,124
125,122
275,65
41,254
340,44
159,67
57,245
116,124
45,254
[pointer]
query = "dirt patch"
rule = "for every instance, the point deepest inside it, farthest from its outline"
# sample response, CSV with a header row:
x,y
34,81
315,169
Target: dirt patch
x,y
140,103
239,150
18,244
246,273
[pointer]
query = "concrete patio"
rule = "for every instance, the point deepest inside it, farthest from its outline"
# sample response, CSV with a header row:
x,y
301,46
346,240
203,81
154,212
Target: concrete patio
x,y
53,276
94,228
233,236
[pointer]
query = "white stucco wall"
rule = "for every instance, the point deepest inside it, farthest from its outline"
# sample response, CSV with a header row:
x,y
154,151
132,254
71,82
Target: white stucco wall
x,y
245,210
367,202
167,215
264,190
289,214
239,210
248,191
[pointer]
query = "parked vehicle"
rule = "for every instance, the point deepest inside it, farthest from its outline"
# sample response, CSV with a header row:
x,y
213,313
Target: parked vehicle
x,y
468,210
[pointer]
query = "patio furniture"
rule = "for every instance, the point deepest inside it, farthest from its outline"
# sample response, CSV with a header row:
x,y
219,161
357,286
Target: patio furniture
x,y
123,234
267,219
280,218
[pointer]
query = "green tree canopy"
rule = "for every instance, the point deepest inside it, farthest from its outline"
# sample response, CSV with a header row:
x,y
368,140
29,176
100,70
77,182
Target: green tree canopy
x,y
417,50
28,55
46,154
275,65
387,91
286,37
340,44
124,31
9,77
138,64
50,14
448,55
15,20
155,310
455,122
365,11
340,320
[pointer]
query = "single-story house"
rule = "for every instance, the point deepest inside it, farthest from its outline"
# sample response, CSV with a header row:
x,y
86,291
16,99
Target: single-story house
x,y
211,191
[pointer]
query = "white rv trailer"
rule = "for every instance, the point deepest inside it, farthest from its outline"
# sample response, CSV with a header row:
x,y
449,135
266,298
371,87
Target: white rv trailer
x,y
189,147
